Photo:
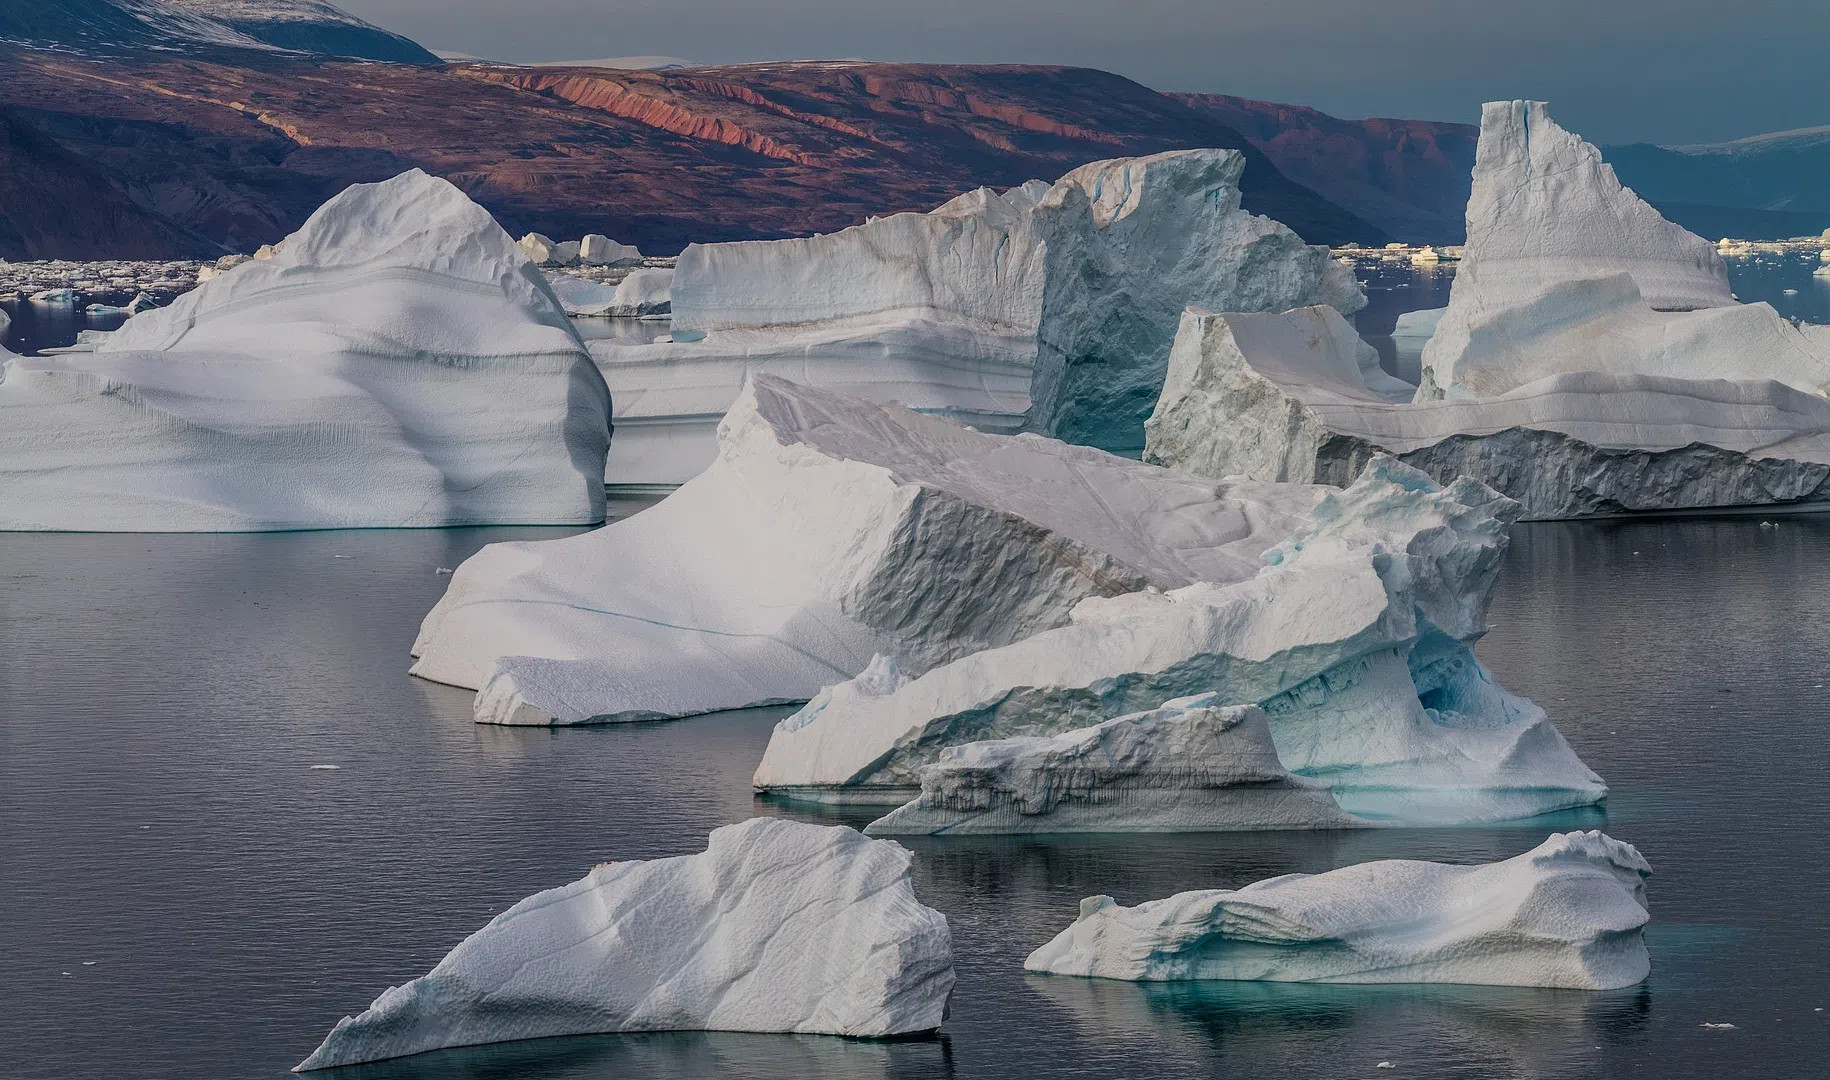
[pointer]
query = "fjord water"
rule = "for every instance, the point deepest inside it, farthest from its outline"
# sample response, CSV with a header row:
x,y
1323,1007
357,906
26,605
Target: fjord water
x,y
186,896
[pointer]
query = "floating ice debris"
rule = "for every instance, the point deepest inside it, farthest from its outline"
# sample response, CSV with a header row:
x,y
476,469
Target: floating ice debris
x,y
1719,1027
326,767
1568,913
776,926
443,570
1385,1065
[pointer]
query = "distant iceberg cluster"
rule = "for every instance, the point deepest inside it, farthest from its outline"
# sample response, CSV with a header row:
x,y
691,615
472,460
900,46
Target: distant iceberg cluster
x,y
901,501
1591,360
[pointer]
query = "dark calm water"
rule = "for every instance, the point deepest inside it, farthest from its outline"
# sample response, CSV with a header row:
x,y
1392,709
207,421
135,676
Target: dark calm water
x,y
184,897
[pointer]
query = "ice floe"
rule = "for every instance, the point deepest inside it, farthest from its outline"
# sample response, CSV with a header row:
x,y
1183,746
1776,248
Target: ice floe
x,y
777,926
1353,636
1590,361
1048,308
1569,913
397,363
830,529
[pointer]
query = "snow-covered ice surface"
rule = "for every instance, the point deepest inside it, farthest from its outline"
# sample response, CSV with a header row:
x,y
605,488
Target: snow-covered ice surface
x,y
1569,913
777,926
1190,766
1353,636
1590,361
831,528
397,363
1068,290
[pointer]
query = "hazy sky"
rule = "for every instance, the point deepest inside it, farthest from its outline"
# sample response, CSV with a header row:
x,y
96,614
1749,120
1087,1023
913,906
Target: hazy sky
x,y
1614,70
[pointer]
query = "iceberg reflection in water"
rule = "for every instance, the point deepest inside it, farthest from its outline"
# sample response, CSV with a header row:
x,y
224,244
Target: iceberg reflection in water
x,y
723,1054
164,697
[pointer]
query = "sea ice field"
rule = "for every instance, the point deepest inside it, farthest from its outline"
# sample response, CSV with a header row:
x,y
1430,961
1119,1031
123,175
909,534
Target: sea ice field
x,y
229,817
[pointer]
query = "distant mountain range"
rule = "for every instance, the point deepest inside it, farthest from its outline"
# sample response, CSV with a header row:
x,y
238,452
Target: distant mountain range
x,y
186,127
1764,187
308,26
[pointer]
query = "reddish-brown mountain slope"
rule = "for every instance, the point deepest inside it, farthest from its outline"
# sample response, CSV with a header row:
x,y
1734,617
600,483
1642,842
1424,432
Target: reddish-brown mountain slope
x,y
1409,177
239,147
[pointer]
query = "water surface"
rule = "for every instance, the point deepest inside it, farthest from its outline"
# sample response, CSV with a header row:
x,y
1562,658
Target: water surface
x,y
186,897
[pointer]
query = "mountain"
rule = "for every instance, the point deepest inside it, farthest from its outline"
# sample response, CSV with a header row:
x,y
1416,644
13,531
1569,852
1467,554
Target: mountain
x,y
56,204
1409,177
308,26
239,144
1763,188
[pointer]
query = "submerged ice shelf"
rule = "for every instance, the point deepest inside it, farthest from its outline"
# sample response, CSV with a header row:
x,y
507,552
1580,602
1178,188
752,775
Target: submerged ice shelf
x,y
1591,360
1569,913
777,926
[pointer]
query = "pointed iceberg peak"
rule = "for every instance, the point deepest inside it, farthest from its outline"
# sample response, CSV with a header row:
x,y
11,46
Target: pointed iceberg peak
x,y
1545,208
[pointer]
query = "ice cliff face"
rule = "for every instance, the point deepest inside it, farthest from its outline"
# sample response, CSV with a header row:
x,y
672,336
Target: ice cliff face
x,y
1189,766
1132,242
1352,637
777,926
397,363
830,529
1590,361
1068,290
1568,913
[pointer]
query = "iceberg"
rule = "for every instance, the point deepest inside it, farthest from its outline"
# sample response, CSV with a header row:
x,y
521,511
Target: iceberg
x,y
830,529
1047,308
1590,361
397,364
777,926
596,249
1353,635
641,293
1190,766
1569,913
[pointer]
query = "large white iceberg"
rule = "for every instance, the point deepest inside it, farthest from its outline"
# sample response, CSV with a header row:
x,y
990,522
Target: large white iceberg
x,y
1353,637
830,529
397,363
1190,766
1048,308
1590,361
776,926
1569,913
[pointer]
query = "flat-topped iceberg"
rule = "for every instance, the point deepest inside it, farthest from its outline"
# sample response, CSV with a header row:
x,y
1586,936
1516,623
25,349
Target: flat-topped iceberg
x,y
1190,766
1568,913
777,926
1590,361
830,529
398,362
1047,308
1353,636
